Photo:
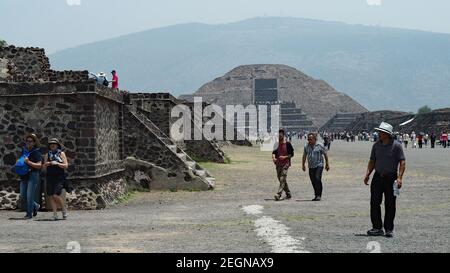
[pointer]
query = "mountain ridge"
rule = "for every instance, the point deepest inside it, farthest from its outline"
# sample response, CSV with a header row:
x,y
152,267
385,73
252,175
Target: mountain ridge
x,y
375,65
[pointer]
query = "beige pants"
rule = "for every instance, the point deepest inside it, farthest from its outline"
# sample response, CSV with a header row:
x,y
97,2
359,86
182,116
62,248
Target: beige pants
x,y
282,175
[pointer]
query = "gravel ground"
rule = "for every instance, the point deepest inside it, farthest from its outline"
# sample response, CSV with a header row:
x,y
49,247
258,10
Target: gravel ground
x,y
214,221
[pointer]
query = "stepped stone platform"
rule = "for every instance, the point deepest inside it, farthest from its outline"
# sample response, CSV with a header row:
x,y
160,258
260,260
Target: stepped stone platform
x,y
340,122
111,142
368,121
437,121
263,83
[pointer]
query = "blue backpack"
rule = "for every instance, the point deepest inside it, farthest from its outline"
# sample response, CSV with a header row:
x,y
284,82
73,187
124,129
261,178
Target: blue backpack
x,y
21,167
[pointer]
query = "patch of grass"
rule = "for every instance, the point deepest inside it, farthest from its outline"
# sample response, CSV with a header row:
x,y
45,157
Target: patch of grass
x,y
241,162
198,159
227,160
127,197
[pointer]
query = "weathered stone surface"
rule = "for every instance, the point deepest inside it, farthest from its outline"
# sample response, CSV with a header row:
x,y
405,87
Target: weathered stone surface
x,y
96,130
19,64
316,98
368,121
157,107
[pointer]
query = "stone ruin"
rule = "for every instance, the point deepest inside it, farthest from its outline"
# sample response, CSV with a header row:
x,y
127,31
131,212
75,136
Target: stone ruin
x,y
114,140
305,103
436,121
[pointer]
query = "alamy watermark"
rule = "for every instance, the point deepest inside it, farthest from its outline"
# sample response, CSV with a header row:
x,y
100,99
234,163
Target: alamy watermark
x,y
232,122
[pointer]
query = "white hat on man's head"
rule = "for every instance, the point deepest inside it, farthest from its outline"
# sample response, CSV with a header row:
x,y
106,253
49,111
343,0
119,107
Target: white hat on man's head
x,y
385,127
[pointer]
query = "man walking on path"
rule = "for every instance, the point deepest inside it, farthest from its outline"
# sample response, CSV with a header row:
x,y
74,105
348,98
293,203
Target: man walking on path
x,y
386,157
281,157
432,140
315,152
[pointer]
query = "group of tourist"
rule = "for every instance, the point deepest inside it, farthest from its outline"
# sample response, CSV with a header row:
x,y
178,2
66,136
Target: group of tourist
x,y
387,159
423,139
32,164
415,140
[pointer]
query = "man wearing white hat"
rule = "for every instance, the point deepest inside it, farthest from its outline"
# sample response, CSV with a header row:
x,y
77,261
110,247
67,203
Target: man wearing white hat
x,y
388,161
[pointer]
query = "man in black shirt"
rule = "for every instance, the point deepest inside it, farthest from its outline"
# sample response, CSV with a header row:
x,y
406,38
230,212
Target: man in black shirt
x,y
388,160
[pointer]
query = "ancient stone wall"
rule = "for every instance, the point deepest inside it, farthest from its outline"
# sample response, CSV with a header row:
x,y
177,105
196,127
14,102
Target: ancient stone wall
x,y
95,127
18,64
108,135
158,108
23,64
436,122
368,121
140,143
88,125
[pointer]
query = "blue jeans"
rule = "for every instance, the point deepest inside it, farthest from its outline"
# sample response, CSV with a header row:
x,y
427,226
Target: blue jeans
x,y
28,190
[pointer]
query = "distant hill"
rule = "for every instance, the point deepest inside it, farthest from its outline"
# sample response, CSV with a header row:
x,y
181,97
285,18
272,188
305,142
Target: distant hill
x,y
382,68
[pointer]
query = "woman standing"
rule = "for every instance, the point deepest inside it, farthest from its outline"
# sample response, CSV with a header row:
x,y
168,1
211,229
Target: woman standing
x,y
406,140
55,166
30,181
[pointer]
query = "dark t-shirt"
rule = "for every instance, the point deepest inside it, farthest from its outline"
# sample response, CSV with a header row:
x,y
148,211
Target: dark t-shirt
x,y
282,151
387,157
35,157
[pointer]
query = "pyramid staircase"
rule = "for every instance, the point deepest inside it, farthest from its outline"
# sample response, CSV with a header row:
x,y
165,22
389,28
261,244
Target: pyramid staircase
x,y
189,163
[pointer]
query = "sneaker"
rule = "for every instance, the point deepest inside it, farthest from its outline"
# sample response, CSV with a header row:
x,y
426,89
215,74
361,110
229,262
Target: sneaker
x,y
277,197
317,198
64,215
55,216
389,233
26,217
288,196
375,232
35,212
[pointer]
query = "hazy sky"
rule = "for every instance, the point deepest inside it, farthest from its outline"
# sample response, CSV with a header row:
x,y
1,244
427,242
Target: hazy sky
x,y
58,24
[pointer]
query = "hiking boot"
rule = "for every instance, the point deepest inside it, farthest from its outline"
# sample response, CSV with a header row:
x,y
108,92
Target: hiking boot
x,y
277,197
389,234
375,232
35,212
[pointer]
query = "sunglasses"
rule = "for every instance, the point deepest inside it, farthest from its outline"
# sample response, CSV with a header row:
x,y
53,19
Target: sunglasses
x,y
30,141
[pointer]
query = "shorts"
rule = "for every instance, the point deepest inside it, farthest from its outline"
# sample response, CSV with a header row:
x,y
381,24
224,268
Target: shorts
x,y
55,185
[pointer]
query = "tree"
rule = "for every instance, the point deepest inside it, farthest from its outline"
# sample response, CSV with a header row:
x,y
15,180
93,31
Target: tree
x,y
423,110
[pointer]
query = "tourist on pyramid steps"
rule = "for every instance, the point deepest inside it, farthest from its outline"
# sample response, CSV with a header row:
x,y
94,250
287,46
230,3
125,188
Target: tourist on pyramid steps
x,y
315,153
406,140
281,157
55,164
432,140
30,180
388,160
115,80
